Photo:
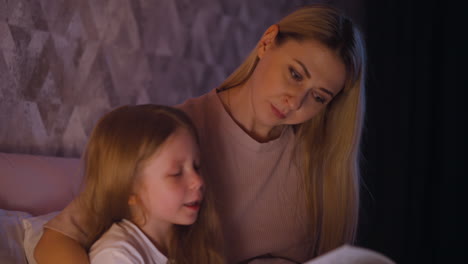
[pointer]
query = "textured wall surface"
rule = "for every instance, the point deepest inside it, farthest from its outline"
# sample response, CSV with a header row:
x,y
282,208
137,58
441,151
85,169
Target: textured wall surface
x,y
64,63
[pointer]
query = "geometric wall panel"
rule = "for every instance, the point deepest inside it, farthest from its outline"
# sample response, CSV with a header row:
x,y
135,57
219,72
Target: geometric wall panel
x,y
65,63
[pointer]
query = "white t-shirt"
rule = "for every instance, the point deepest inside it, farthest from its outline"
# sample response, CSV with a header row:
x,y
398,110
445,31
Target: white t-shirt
x,y
125,243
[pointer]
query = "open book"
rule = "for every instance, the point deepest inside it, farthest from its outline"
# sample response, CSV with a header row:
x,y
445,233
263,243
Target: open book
x,y
351,255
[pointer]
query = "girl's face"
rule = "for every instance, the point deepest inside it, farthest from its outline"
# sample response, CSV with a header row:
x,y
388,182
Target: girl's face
x,y
170,186
294,81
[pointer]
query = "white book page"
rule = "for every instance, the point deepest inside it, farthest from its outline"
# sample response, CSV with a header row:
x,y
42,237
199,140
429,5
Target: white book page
x,y
351,255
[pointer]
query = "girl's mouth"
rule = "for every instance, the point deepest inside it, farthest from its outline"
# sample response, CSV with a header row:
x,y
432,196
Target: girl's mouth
x,y
195,205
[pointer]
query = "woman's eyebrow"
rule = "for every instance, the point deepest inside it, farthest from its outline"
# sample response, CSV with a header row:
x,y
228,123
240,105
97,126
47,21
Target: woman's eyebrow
x,y
308,75
303,67
326,91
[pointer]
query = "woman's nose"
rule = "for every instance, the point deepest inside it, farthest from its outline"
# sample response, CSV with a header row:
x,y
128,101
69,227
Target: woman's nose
x,y
296,100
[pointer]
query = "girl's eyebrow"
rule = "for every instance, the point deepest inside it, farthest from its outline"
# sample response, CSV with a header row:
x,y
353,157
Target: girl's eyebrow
x,y
308,76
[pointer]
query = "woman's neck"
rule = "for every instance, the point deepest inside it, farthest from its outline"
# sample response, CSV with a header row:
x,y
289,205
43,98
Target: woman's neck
x,y
238,103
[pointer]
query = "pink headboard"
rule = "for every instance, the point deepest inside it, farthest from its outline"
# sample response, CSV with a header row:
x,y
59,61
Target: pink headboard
x,y
38,184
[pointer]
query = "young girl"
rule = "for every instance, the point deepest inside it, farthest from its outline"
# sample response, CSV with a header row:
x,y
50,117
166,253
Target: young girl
x,y
143,191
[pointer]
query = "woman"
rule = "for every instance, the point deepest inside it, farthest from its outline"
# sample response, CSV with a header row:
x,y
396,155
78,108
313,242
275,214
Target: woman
x,y
280,142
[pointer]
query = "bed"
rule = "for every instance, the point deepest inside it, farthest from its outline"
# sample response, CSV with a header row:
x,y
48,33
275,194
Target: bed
x,y
33,189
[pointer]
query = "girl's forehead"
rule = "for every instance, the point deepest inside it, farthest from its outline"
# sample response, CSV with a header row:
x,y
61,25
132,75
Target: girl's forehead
x,y
180,143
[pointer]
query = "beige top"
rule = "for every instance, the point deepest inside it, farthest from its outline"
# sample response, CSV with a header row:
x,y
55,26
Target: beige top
x,y
255,187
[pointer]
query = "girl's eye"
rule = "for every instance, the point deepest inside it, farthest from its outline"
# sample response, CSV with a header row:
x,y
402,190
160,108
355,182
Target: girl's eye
x,y
177,173
295,75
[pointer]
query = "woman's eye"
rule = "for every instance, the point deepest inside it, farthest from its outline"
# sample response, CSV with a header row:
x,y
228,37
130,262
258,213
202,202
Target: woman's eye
x,y
295,75
318,98
196,167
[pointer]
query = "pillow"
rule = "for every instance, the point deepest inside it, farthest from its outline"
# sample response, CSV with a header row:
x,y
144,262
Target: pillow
x,y
11,237
33,229
38,184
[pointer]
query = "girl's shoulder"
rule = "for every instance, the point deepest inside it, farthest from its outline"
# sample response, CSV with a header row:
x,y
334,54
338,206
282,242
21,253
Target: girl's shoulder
x,y
114,255
124,242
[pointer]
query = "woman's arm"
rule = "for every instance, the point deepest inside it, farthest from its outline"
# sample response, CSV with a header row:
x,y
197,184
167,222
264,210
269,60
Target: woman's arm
x,y
54,247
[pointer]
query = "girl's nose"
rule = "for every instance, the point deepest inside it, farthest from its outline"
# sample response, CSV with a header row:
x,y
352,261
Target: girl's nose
x,y
196,181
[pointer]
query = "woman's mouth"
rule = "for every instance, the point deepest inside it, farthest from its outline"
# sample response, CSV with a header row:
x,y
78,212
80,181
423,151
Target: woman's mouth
x,y
277,112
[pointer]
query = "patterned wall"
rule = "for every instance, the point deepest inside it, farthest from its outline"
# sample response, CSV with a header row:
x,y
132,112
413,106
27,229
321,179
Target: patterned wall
x,y
64,63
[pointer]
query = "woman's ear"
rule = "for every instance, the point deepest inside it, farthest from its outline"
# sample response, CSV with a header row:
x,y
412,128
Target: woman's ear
x,y
132,200
267,40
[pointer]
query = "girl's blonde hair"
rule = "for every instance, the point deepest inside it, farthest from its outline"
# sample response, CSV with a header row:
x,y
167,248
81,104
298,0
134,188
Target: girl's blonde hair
x,y
328,145
119,144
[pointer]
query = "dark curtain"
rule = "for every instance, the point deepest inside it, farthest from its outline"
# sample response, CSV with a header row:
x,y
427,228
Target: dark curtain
x,y
413,197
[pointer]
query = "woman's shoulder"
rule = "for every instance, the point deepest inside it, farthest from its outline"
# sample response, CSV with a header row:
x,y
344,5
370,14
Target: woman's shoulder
x,y
202,109
198,104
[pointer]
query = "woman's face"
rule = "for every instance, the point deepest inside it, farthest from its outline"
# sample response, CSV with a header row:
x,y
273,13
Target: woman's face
x,y
294,81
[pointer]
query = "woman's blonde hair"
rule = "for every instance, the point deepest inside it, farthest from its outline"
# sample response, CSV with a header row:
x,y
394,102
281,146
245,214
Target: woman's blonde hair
x,y
329,144
120,143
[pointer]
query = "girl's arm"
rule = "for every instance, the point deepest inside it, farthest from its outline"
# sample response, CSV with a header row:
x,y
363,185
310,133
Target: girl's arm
x,y
54,247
